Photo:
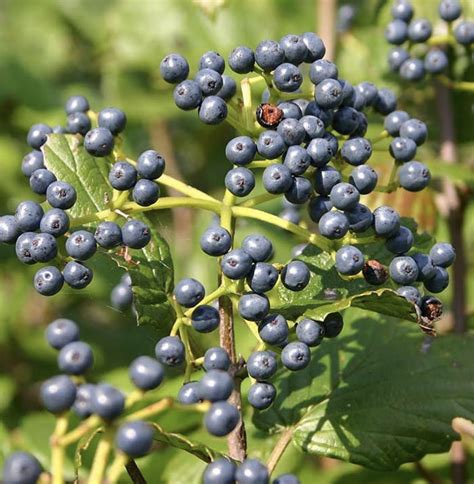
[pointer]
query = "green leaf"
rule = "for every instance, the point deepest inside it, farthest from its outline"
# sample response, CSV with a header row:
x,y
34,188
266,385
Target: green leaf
x,y
379,395
66,157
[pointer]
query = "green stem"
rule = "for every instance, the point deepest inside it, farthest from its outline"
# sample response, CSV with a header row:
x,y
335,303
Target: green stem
x,y
220,291
101,458
279,449
441,40
258,199
184,188
117,467
90,424
456,85
261,164
151,410
383,135
57,450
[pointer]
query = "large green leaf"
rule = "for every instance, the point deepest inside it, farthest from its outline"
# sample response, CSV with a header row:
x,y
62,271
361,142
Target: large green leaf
x,y
379,395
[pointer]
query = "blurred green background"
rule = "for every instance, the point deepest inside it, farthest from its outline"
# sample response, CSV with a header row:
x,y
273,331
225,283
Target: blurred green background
x,y
109,50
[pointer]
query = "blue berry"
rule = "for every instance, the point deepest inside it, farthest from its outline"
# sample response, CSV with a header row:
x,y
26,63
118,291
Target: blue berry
x,y
415,130
269,55
419,30
414,176
113,119
262,365
320,152
134,439
78,123
55,222
386,221
270,145
40,180
262,278
213,110
174,68
385,102
325,179
396,58
295,356
402,9
37,135
99,142
145,192
368,91
325,115
146,373
300,190
221,419
412,70
315,48
216,358
150,165
261,395
31,162
216,385
290,110
82,404
294,48
58,394
107,402
310,332
333,225
108,235
345,17
189,393
292,132
402,149
23,248
322,69
121,297
364,178
394,120
258,247
135,234
277,179
273,329
241,60
216,241
228,89
442,254
81,245
287,77
61,332
170,351
289,478
21,468
439,282
28,215
410,293
220,471
403,270
205,319
241,150
77,275
75,358
122,175
236,264
426,267
189,292
464,32
333,325
396,32
209,81
48,281
328,94
400,242
295,275
344,196
436,61
360,218
76,104
318,206
253,306
61,195
240,181
252,471
313,127
212,60
346,120
349,260
187,95
356,151
43,247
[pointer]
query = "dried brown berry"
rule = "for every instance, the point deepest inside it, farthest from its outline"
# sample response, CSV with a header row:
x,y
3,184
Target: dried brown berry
x,y
431,308
269,115
374,272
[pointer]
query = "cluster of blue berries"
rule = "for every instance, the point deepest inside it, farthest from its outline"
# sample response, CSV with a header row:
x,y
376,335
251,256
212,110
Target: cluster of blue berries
x,y
413,65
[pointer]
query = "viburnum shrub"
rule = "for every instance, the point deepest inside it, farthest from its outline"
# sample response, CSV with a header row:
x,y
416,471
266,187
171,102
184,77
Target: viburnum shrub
x,y
302,138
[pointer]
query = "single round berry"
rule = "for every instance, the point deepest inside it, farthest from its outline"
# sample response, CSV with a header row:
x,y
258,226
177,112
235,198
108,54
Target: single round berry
x,y
48,281
325,179
333,325
356,151
401,242
328,94
346,120
236,264
464,32
170,351
213,110
187,95
295,356
174,68
189,292
269,55
28,215
23,248
262,365
189,393
99,142
277,179
402,149
38,135
268,115
397,57
414,176
146,373
386,221
415,130
349,260
134,439
135,234
273,329
344,196
76,104
396,32
81,245
58,394
294,48
55,222
310,332
374,272
364,178
333,225
253,306
261,395
426,267
31,162
439,282
78,123
270,145
297,159
122,176
402,9
241,60
241,150
295,275
240,181
385,102
419,30
212,60
252,471
216,358
121,297
21,468
394,120
318,206
315,48
258,247
289,478
442,254
360,218
221,419
150,165
290,110
61,195
107,402
61,332
300,190
431,307
108,235
77,275
313,126
292,133
40,180
322,69
262,278
113,119
228,89
216,385
205,319
412,70
436,61
145,192
216,241
403,270
220,471
410,293
43,247
287,77
75,358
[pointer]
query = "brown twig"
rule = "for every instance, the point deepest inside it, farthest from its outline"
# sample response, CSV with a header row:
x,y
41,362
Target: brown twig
x,y
279,449
134,472
326,25
237,440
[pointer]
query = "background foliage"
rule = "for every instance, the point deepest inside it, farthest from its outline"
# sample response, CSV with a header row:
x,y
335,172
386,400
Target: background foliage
x,y
109,50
